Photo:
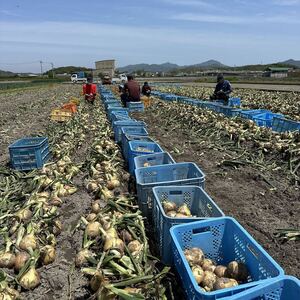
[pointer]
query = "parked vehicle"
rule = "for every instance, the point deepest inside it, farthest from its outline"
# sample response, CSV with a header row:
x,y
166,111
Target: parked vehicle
x,y
79,77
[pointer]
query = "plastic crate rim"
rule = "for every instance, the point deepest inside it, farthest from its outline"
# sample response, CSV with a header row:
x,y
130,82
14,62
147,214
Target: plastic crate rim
x,y
154,189
162,166
15,144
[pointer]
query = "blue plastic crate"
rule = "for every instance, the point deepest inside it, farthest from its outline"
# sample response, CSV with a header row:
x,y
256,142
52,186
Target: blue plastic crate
x,y
119,116
222,240
284,288
112,103
115,109
283,125
234,102
250,113
164,175
163,158
127,138
230,111
265,119
135,106
130,131
117,127
137,148
197,200
29,153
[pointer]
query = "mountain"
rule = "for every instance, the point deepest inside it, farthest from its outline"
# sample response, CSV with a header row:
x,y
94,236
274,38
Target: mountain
x,y
210,64
149,68
6,74
292,62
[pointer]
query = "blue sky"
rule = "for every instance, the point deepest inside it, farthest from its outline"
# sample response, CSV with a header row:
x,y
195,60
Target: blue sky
x,y
185,32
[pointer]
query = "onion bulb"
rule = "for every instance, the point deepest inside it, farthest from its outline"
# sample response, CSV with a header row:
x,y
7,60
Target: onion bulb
x,y
91,217
92,186
55,200
106,194
208,265
237,270
96,281
183,209
21,259
169,206
224,283
93,229
24,214
220,271
9,294
194,256
28,242
171,213
209,280
114,243
30,279
135,247
198,273
96,207
48,255
82,256
126,236
7,260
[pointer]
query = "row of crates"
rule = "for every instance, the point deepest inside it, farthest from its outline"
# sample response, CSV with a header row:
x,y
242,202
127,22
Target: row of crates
x,y
159,178
262,117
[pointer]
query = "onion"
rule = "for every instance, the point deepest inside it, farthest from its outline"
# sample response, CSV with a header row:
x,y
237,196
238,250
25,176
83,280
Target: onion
x,y
198,273
30,279
91,217
194,256
96,207
70,189
224,283
9,294
21,258
209,280
48,255
7,260
24,214
106,194
171,213
62,192
28,242
208,265
57,227
183,209
81,257
92,186
220,271
114,243
93,229
169,206
237,270
55,200
135,247
96,281
126,236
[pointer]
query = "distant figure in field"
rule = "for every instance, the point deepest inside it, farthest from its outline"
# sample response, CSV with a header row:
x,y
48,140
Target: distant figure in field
x,y
121,86
222,90
90,90
131,91
146,89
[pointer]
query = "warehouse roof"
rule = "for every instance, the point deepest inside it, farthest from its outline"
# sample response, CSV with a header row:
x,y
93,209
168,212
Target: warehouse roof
x,y
273,69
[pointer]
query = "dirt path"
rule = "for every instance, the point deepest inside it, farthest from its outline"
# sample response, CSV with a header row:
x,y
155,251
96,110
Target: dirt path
x,y
241,193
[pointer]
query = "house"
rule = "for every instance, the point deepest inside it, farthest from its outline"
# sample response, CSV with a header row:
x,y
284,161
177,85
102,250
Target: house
x,y
276,72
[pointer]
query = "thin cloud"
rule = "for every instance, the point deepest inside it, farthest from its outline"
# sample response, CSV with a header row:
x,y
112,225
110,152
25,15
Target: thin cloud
x,y
8,13
286,2
208,18
194,3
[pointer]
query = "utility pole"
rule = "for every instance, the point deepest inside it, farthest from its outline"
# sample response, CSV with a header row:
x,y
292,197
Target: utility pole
x,y
41,63
52,69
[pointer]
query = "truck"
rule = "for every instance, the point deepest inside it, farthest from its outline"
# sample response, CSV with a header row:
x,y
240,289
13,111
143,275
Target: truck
x,y
79,77
122,77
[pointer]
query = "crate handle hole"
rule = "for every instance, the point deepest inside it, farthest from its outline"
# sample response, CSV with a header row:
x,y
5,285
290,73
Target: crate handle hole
x,y
252,251
175,192
201,230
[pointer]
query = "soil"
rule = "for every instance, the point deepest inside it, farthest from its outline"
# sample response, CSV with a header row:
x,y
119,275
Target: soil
x,y
241,193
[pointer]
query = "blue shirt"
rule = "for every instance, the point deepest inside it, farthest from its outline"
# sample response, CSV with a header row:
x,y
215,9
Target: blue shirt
x,y
224,86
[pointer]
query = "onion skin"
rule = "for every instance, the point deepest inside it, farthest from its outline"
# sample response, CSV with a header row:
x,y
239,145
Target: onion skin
x,y
194,256
237,271
91,217
7,260
126,236
198,273
208,265
21,258
30,280
24,214
224,283
96,208
81,257
93,229
28,242
169,206
183,209
221,271
209,280
48,255
96,281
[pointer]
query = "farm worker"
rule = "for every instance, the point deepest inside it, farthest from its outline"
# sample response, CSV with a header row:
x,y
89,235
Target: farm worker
x,y
222,90
146,89
121,86
131,91
90,90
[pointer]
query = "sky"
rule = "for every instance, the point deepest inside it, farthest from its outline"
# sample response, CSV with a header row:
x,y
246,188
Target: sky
x,y
73,32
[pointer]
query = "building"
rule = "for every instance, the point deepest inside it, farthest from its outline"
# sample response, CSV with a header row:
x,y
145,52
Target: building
x,y
105,67
277,72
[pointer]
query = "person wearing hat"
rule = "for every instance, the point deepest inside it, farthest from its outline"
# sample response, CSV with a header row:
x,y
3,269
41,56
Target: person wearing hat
x,y
146,89
222,90
89,90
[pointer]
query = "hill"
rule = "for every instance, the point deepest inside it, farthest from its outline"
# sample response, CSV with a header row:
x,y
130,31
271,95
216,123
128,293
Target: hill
x,y
6,74
69,70
292,62
165,67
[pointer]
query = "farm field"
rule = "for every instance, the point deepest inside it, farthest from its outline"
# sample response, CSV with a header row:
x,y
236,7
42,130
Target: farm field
x,y
251,173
